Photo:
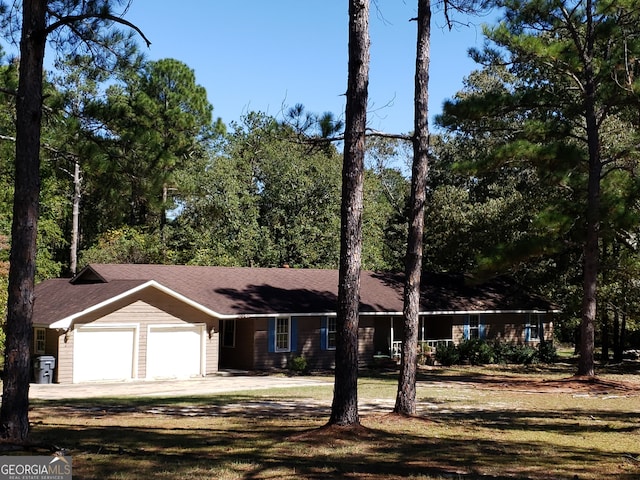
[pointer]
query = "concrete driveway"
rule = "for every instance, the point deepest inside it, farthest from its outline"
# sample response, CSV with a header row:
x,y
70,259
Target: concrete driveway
x,y
225,382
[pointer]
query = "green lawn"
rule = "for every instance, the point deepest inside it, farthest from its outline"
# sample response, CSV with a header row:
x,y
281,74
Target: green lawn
x,y
492,423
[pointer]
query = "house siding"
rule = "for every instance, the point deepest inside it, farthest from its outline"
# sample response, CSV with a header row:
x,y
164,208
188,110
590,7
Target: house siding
x,y
148,309
366,333
504,327
310,344
251,350
262,358
64,362
232,293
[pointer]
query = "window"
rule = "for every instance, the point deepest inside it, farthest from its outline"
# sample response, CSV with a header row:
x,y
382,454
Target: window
x,y
39,340
283,328
229,333
282,334
474,326
331,333
533,329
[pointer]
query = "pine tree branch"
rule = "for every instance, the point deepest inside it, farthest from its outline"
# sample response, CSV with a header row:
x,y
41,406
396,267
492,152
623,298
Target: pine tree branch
x,y
45,146
13,93
396,136
70,20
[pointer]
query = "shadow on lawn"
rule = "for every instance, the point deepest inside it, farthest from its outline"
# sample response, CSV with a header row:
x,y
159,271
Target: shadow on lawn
x,y
265,437
261,450
565,422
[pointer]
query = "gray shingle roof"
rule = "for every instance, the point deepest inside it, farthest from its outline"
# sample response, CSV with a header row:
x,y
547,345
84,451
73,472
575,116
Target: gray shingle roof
x,y
250,291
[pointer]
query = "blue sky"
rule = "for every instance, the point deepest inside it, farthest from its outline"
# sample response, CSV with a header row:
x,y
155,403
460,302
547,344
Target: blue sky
x,y
256,55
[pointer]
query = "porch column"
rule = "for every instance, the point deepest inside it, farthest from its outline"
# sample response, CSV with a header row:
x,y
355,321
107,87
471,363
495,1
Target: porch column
x,y
391,343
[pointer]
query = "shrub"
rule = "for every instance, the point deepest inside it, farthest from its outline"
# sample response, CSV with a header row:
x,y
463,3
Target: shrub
x,y
475,351
447,355
479,352
298,364
502,352
547,352
523,354
484,354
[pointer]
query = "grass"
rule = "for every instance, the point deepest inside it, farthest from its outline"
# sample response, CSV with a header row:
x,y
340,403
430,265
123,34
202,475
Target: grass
x,y
473,423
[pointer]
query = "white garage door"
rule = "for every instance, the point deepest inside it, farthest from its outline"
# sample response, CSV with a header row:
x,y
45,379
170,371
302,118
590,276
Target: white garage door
x,y
175,351
104,353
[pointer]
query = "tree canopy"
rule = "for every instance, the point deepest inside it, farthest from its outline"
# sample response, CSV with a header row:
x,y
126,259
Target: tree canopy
x,y
533,172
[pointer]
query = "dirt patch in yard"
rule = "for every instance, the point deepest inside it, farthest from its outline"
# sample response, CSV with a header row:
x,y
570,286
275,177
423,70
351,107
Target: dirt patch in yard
x,y
620,379
576,384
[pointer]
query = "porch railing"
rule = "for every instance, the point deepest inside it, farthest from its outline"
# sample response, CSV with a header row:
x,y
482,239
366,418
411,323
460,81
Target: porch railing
x,y
396,347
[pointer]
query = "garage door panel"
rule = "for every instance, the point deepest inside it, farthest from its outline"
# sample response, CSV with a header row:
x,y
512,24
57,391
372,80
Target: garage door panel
x,y
174,351
104,353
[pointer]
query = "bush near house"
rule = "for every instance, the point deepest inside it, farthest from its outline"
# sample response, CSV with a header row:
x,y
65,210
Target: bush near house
x,y
298,364
479,352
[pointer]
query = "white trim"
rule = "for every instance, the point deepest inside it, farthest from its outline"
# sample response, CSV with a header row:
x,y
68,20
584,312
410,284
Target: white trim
x,y
335,332
67,322
37,330
459,312
386,314
275,336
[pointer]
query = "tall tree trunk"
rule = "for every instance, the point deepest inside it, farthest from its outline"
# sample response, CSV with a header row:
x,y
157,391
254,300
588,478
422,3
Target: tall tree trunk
x,y
75,218
406,396
344,410
586,364
14,414
617,344
163,221
604,334
623,334
604,310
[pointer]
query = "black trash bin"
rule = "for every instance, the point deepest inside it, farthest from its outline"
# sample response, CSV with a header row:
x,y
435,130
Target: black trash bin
x,y
43,368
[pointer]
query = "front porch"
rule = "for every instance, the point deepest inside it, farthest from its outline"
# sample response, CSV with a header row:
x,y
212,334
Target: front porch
x,y
434,331
425,347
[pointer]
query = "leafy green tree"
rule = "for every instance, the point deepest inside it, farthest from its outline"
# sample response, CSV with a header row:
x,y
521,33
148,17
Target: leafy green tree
x,y
263,199
154,124
78,81
384,222
386,195
219,220
124,245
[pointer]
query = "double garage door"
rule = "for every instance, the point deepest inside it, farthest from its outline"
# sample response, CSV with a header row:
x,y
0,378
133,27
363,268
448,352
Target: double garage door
x,y
113,352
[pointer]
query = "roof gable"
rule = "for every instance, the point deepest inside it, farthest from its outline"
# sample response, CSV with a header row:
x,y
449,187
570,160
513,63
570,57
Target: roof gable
x,y
87,275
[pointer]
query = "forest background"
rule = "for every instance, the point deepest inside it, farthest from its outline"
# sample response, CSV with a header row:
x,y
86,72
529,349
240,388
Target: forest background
x,y
157,179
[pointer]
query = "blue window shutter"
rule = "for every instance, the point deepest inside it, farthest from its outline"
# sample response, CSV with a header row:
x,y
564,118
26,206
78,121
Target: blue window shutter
x,y
294,334
323,333
527,330
465,330
271,334
482,331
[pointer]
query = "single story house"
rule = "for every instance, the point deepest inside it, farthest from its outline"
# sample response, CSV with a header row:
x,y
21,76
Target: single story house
x,y
125,322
